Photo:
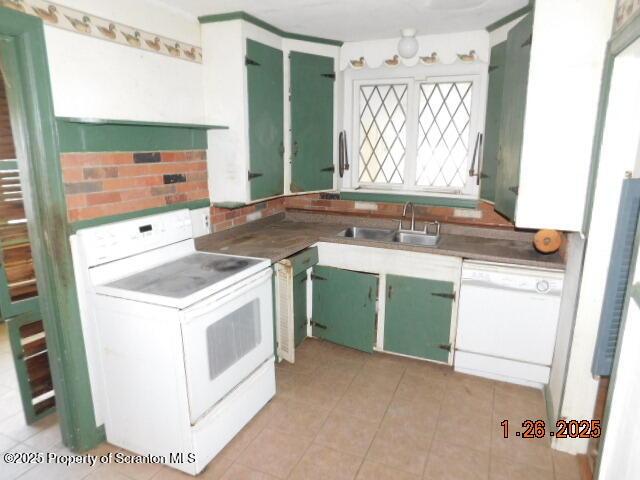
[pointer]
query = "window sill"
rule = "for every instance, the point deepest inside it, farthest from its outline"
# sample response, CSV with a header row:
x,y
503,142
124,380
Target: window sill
x,y
419,198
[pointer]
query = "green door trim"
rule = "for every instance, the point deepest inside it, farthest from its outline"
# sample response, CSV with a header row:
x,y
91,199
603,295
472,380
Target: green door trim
x,y
25,64
241,15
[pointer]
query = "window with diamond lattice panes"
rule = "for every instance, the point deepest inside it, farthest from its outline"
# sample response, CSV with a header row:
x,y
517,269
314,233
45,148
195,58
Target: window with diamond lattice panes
x,y
443,134
383,133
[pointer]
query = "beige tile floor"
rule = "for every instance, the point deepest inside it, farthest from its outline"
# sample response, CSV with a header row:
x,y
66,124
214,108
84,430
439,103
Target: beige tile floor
x,y
342,414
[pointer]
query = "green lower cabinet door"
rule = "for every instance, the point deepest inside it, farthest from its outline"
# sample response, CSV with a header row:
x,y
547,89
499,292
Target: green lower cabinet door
x,y
344,307
312,81
266,120
418,317
299,307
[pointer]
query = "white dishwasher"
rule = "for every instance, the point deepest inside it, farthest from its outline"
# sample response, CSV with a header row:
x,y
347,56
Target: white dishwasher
x,y
507,321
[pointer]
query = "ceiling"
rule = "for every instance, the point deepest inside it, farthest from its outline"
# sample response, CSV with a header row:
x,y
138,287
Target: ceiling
x,y
355,20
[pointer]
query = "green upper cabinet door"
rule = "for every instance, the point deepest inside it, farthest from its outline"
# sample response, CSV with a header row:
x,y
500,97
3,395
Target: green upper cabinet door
x,y
492,122
312,83
512,119
266,119
344,307
417,317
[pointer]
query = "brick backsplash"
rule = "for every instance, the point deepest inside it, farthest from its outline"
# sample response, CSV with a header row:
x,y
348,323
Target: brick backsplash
x,y
106,183
223,218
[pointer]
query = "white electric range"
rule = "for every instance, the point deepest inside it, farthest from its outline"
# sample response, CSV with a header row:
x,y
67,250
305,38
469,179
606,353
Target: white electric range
x,y
179,342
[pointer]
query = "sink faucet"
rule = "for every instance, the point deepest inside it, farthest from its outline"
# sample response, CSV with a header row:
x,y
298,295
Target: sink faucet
x,y
413,215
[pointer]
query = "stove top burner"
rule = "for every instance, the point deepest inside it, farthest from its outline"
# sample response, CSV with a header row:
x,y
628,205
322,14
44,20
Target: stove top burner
x,y
186,275
227,265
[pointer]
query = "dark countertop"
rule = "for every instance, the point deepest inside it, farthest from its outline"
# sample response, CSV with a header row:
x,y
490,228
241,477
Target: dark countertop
x,y
281,236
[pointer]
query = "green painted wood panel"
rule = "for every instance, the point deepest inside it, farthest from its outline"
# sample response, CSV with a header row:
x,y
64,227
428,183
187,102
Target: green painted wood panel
x,y
133,137
304,260
512,119
266,119
492,122
418,320
312,86
299,307
403,198
344,307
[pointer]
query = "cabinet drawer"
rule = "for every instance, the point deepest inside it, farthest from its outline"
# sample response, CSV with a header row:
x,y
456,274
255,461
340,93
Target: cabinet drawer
x,y
303,260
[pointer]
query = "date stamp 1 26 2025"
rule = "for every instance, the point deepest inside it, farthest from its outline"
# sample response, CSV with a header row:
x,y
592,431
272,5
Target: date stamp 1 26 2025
x,y
564,429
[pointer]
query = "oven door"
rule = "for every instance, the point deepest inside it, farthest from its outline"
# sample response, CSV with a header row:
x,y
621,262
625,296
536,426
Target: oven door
x,y
226,337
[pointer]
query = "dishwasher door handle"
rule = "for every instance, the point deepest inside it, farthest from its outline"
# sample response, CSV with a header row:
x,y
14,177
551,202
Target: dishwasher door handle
x,y
499,286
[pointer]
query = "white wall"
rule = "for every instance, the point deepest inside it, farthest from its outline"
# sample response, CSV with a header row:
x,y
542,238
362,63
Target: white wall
x,y
567,54
223,54
447,47
618,156
94,78
566,317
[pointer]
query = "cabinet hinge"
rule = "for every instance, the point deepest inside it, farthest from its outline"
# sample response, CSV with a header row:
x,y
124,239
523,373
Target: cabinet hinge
x,y
316,277
493,67
527,42
331,169
318,325
445,346
248,61
451,296
332,76
515,189
253,175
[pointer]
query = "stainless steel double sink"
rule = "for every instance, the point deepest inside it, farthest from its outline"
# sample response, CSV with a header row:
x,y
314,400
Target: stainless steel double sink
x,y
410,237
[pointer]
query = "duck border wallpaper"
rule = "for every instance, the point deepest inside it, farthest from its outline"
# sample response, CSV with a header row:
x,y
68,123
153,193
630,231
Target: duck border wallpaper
x,y
625,10
104,29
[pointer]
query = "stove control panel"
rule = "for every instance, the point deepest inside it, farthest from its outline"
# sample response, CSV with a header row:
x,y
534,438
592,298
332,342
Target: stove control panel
x,y
114,241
